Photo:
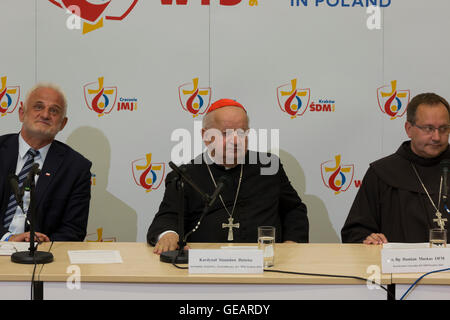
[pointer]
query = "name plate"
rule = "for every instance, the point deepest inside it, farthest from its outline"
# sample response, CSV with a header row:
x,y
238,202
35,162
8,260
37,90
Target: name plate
x,y
414,260
225,261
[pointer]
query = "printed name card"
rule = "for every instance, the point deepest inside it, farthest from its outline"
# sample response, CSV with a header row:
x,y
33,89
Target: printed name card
x,y
225,261
414,260
94,256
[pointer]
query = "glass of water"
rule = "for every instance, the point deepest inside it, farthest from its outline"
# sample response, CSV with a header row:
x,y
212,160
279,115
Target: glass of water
x,y
266,243
438,238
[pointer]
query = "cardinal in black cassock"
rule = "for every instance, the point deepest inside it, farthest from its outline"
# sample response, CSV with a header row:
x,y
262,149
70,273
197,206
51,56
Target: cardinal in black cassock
x,y
250,197
264,200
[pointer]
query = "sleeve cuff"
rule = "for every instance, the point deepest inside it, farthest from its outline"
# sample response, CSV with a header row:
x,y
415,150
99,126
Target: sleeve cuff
x,y
6,236
160,236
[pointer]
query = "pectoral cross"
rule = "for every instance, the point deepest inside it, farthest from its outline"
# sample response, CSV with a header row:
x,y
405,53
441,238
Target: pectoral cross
x,y
440,221
230,227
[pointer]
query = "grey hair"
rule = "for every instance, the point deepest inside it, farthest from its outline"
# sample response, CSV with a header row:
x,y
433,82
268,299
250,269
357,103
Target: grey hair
x,y
48,85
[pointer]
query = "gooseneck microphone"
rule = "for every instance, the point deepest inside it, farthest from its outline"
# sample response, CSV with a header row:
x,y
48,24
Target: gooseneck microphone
x,y
222,182
17,192
29,181
445,164
32,256
220,185
181,256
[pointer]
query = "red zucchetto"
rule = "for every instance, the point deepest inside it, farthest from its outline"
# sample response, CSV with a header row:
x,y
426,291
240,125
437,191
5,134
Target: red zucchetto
x,y
225,103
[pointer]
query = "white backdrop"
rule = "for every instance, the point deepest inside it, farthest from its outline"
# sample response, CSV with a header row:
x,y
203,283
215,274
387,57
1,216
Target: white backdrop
x,y
245,50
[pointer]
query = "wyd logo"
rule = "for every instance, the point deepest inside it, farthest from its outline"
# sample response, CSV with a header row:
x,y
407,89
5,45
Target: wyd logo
x,y
336,176
393,102
9,97
98,98
91,12
146,174
207,2
292,100
193,99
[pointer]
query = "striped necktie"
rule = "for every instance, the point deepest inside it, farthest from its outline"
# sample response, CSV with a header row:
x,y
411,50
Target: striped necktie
x,y
12,204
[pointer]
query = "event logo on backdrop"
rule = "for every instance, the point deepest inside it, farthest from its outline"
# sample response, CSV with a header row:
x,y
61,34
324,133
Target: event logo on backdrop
x,y
393,101
103,100
208,2
193,99
340,3
9,97
93,12
146,174
99,98
336,176
293,100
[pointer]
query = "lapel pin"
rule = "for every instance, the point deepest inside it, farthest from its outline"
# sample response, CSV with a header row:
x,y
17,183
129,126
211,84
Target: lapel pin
x,y
47,174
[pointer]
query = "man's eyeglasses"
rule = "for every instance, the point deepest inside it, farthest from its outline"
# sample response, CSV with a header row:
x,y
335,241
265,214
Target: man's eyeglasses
x,y
431,129
240,133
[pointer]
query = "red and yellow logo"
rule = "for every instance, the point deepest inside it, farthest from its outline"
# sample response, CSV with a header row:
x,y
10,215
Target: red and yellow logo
x,y
207,2
9,97
293,100
337,176
193,99
93,12
393,101
146,174
99,98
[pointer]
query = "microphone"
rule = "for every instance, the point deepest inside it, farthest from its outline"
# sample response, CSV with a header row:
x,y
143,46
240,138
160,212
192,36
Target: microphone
x,y
222,182
181,172
29,181
18,193
445,164
31,256
181,255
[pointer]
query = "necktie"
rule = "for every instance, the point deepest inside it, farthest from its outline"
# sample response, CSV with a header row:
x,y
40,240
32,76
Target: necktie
x,y
12,204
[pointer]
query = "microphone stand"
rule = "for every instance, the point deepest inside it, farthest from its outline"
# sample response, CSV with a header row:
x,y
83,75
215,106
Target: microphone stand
x,y
445,194
32,256
181,256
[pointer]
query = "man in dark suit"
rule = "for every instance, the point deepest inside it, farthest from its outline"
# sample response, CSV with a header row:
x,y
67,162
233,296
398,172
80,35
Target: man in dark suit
x,y
63,188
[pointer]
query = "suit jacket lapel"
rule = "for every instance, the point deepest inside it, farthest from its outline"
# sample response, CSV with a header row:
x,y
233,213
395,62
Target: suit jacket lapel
x,y
51,165
9,153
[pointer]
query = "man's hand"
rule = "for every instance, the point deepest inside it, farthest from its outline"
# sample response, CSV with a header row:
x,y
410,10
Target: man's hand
x,y
376,238
25,237
168,242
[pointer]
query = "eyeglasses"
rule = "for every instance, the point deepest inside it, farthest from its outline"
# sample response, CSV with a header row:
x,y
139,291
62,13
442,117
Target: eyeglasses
x,y
431,129
54,111
240,133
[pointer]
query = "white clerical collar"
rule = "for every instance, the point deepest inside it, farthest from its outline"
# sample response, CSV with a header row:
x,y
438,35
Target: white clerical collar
x,y
24,147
